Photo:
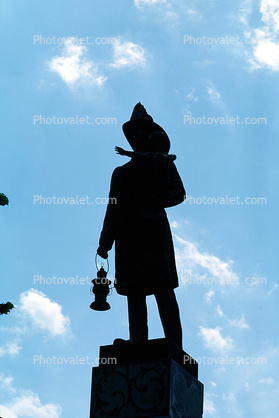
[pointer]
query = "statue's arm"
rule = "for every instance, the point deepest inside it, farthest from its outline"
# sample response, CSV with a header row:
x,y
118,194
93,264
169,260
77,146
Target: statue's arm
x,y
134,154
122,151
110,223
176,193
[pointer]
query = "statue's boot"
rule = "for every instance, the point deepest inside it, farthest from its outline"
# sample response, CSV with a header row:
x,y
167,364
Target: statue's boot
x,y
131,340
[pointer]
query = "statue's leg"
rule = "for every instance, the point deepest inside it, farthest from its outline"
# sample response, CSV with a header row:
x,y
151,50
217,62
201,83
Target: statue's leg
x,y
169,314
137,313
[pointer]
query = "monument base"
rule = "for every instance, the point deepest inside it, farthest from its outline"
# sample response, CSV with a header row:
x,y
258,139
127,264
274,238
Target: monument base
x,y
146,379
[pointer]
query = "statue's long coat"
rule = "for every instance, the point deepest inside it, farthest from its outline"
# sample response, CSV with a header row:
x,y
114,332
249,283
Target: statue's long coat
x,y
137,222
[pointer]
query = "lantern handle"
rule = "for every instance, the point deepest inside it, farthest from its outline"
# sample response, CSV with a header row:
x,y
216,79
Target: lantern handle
x,y
102,265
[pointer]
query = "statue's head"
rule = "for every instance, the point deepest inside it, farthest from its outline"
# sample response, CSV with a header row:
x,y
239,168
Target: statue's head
x,y
143,134
158,142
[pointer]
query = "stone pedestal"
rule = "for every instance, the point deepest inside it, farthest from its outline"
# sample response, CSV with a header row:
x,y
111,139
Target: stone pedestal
x,y
150,379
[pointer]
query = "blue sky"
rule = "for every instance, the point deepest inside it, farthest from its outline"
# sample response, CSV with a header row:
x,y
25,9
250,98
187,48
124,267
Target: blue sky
x,y
207,71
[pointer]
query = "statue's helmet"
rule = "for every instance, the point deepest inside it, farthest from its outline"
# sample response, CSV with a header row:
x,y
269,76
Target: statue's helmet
x,y
139,128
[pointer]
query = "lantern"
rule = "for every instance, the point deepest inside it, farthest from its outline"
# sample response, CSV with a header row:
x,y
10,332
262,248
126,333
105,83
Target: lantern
x,y
101,291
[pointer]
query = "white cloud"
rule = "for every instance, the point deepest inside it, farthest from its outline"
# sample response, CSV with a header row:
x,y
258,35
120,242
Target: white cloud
x,y
186,111
190,96
43,313
247,386
214,340
241,323
265,50
194,15
171,15
24,403
268,8
273,288
190,260
245,11
214,96
73,66
267,53
128,54
263,398
160,7
264,40
219,311
174,224
208,407
229,397
220,370
28,404
6,383
267,381
140,3
15,329
208,296
11,348
270,13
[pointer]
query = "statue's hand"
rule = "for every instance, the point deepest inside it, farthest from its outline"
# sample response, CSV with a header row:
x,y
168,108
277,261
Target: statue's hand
x,y
172,157
102,252
119,150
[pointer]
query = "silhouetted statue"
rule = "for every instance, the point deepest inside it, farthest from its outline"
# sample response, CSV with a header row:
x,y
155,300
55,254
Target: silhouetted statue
x,y
5,308
3,199
137,223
